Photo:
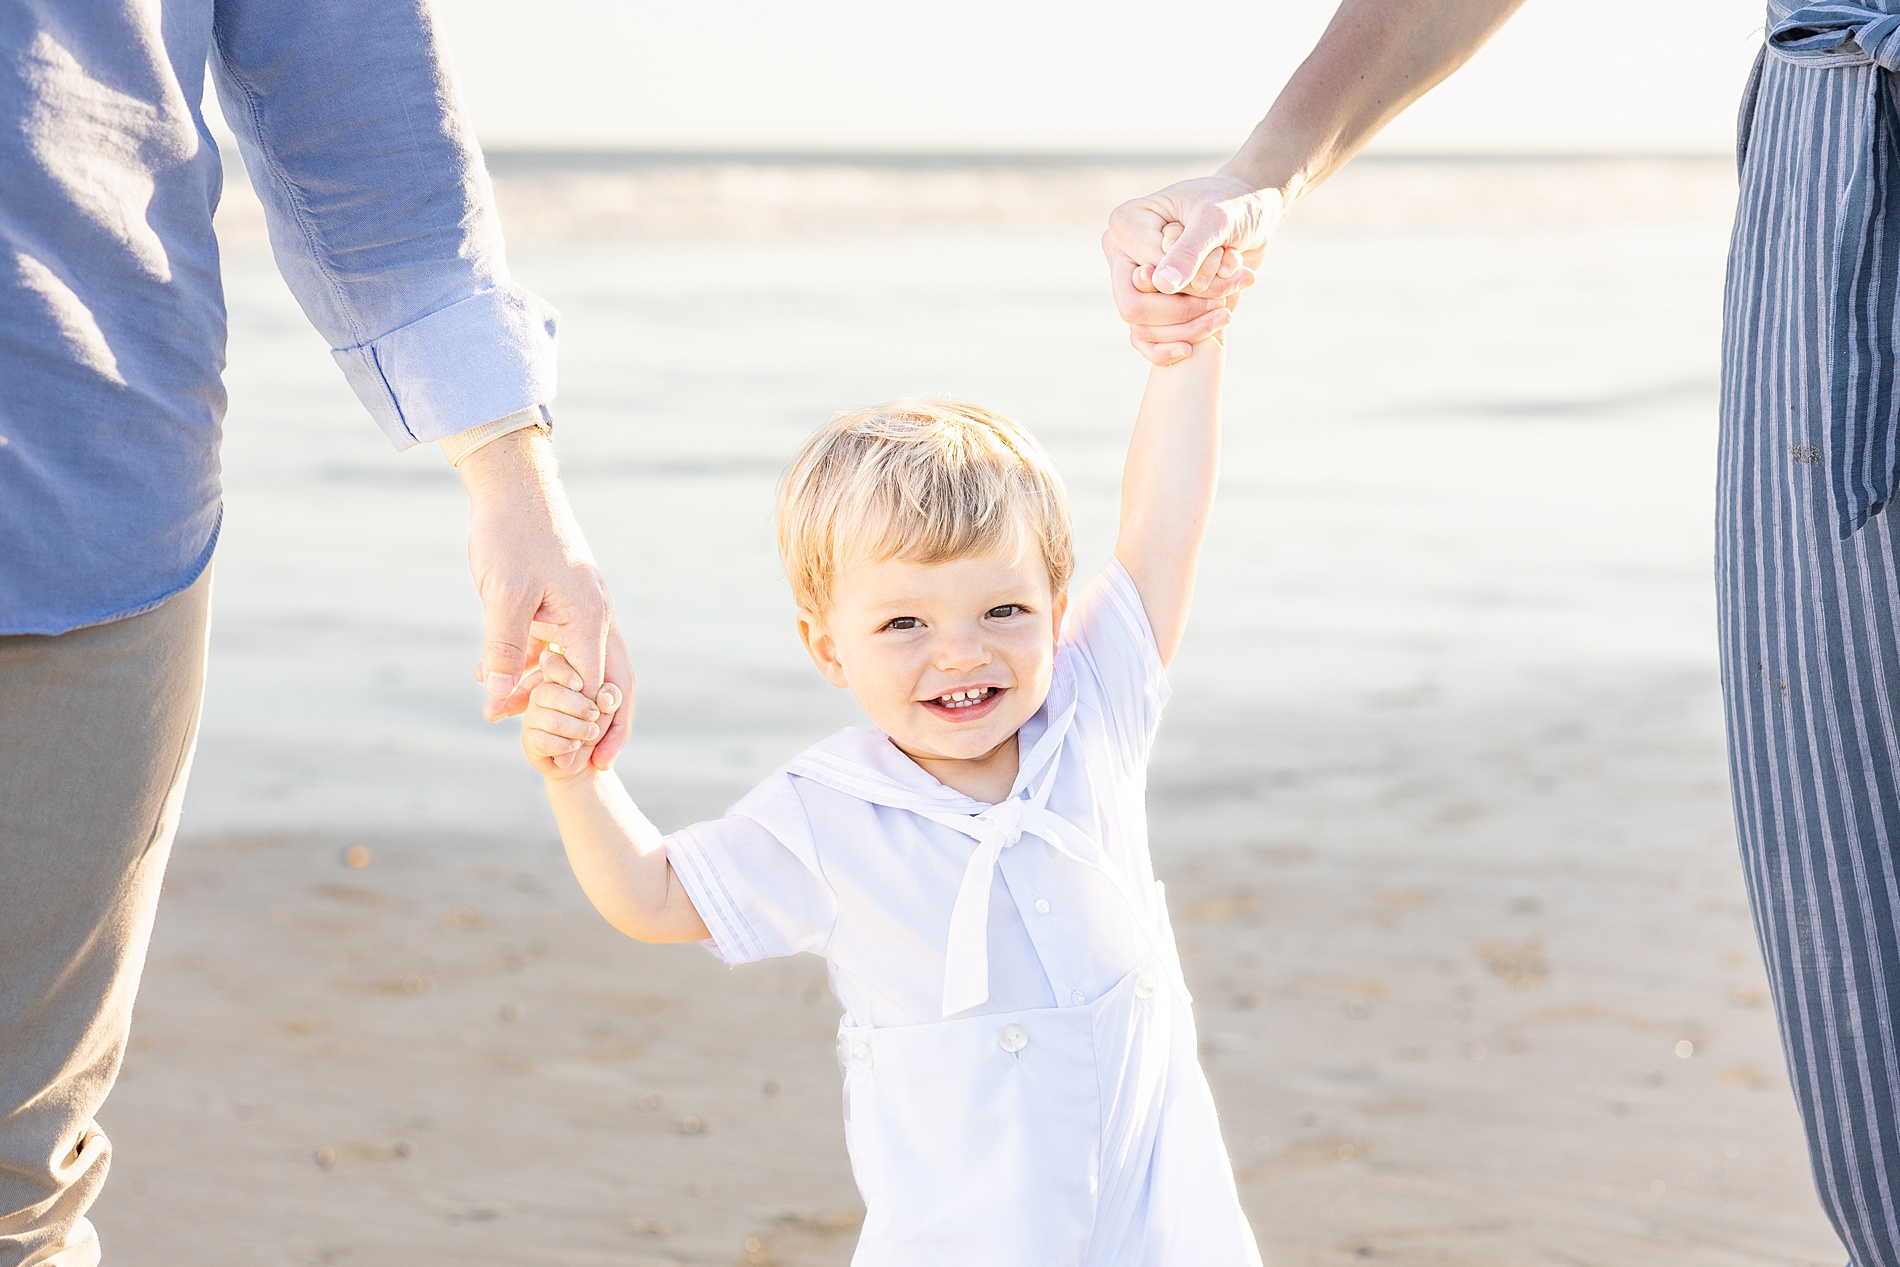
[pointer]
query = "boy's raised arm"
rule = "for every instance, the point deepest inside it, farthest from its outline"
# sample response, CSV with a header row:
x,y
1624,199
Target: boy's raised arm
x,y
1168,487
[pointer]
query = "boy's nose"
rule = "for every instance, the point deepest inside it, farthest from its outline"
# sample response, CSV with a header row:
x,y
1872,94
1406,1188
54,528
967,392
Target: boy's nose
x,y
961,655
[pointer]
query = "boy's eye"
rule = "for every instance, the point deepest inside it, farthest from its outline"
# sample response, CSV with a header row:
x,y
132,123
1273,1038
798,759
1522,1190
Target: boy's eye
x,y
904,622
1005,611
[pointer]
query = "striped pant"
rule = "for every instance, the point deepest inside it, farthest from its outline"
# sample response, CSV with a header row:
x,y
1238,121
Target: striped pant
x,y
1809,599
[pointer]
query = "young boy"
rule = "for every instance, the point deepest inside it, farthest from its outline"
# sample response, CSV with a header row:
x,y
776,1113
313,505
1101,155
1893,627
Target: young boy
x,y
1021,1081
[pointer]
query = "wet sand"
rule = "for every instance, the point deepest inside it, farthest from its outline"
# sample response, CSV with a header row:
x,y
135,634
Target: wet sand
x,y
1440,800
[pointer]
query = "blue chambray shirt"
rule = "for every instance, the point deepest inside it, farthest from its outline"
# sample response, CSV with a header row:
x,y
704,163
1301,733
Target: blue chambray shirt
x,y
112,323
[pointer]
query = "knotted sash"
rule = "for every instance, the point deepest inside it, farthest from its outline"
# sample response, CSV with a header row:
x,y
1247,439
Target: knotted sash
x,y
1863,426
1025,812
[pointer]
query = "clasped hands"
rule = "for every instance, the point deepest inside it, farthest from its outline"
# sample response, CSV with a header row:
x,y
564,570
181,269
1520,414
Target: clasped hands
x,y
1179,258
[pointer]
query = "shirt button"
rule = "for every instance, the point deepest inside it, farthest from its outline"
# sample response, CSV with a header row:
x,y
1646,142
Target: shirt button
x,y
1144,985
1076,996
1042,906
1013,1038
862,1051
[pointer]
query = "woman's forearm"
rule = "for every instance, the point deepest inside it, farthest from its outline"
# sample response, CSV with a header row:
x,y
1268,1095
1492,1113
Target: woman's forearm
x,y
1376,58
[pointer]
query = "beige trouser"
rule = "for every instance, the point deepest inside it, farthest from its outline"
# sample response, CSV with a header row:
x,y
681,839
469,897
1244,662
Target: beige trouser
x,y
97,728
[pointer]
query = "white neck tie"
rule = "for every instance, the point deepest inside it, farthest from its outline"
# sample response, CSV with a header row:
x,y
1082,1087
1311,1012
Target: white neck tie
x,y
966,972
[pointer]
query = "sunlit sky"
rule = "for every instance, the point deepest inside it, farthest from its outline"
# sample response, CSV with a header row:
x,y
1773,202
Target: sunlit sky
x,y
988,75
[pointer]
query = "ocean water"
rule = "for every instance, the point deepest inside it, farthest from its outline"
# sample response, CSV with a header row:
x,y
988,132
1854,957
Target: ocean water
x,y
1462,464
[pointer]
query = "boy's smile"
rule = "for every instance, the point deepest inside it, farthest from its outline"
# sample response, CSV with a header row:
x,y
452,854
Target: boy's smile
x,y
966,704
948,659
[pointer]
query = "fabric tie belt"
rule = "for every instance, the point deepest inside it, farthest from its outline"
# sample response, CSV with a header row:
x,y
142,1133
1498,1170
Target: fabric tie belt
x,y
1026,812
1835,27
1862,421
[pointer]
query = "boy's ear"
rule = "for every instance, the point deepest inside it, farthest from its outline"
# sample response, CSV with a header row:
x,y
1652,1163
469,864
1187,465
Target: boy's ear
x,y
1057,610
822,647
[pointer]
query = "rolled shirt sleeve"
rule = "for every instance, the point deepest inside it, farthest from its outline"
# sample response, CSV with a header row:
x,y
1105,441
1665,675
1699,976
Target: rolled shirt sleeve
x,y
381,214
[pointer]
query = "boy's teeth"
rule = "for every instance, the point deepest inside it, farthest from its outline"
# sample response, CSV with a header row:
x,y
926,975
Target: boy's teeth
x,y
963,699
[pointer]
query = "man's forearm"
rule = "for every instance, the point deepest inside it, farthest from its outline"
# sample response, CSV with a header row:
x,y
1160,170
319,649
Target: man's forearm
x,y
531,564
517,470
1375,58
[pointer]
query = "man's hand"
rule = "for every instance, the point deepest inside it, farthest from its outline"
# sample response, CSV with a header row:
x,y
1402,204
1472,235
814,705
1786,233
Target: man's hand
x,y
538,582
1170,293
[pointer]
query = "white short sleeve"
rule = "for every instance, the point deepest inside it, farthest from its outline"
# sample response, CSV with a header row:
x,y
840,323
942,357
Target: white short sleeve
x,y
1116,663
753,877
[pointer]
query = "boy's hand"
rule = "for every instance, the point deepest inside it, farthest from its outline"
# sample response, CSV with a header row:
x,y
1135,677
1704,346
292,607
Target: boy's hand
x,y
1217,286
561,726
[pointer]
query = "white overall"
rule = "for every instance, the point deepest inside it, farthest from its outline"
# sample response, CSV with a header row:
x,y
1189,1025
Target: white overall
x,y
1052,1137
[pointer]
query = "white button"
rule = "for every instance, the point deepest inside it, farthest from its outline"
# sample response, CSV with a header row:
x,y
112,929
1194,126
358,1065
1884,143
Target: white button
x,y
1076,996
1042,906
1013,1038
862,1050
1144,985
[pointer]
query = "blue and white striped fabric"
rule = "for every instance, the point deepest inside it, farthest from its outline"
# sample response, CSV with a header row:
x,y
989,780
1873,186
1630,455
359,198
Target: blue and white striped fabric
x,y
1863,412
1808,573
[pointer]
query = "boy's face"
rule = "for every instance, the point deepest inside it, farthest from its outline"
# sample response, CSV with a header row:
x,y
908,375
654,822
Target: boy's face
x,y
906,638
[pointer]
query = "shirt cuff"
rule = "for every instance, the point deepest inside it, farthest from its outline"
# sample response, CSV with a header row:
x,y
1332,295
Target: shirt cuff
x,y
486,356
462,443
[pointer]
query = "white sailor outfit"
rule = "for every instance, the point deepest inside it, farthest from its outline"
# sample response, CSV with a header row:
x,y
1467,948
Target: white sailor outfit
x,y
1021,1081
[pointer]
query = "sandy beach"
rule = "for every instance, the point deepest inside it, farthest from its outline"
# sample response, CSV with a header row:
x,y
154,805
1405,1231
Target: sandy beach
x,y
1441,800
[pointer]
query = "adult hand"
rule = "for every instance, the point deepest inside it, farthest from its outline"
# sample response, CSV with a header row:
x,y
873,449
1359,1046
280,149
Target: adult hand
x,y
538,583
1169,293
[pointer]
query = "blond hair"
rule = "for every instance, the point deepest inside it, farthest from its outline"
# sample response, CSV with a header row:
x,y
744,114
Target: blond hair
x,y
927,481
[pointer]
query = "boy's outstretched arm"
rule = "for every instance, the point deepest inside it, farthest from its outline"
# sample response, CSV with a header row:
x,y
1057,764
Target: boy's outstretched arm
x,y
1168,487
618,856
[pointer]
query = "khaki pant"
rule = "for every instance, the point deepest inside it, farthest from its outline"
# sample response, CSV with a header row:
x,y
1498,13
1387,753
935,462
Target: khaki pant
x,y
97,728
